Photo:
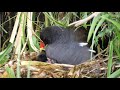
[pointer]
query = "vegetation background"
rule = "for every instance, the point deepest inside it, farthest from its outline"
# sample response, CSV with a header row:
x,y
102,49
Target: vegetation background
x,y
19,33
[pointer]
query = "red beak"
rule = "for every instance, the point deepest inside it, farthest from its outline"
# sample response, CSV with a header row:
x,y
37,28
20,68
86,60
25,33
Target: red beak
x,y
42,45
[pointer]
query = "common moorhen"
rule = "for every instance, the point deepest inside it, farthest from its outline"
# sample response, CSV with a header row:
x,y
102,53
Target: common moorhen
x,y
64,46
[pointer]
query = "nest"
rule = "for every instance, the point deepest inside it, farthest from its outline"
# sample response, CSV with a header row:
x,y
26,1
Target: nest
x,y
96,68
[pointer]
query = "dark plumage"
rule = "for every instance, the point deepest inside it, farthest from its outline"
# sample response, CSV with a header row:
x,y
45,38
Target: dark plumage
x,y
63,45
42,56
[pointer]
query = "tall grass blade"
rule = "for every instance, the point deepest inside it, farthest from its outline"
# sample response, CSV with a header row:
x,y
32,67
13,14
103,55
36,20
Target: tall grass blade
x,y
3,56
110,59
115,74
94,23
10,72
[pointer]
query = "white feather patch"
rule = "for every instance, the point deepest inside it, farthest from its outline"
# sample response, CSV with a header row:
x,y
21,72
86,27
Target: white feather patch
x,y
82,44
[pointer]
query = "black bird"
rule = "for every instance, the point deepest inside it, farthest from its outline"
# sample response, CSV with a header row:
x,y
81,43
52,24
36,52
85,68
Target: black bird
x,y
42,56
64,46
